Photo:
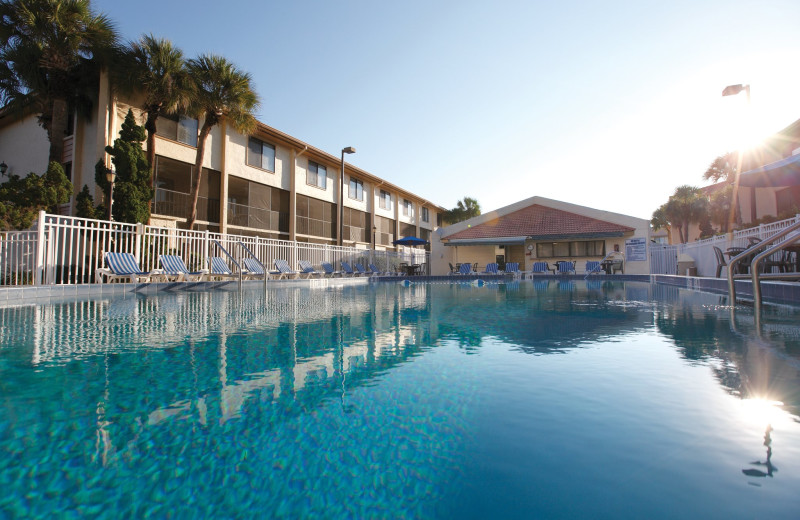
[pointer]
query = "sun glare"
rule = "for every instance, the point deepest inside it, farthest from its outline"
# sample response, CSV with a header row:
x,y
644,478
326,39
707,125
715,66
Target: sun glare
x,y
761,411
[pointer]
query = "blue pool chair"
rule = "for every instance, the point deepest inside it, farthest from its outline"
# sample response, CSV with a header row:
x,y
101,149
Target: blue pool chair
x,y
175,269
465,269
307,269
253,268
284,271
592,266
122,266
512,268
327,267
218,269
348,271
540,268
375,271
360,270
491,268
565,267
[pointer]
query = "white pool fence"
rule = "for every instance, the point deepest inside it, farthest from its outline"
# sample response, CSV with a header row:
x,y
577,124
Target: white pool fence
x,y
68,250
664,259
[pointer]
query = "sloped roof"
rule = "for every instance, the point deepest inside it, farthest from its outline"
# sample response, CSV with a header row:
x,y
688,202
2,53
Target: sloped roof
x,y
542,222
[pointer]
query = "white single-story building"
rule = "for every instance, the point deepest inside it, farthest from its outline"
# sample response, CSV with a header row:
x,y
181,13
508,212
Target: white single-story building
x,y
543,230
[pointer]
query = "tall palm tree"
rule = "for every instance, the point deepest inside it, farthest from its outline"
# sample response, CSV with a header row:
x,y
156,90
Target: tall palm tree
x,y
155,68
50,51
222,93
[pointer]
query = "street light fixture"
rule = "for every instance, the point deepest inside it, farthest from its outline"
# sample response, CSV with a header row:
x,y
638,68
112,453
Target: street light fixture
x,y
3,169
374,240
110,177
349,149
732,90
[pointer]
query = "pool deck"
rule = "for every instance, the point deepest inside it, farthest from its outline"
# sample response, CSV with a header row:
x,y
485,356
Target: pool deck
x,y
772,291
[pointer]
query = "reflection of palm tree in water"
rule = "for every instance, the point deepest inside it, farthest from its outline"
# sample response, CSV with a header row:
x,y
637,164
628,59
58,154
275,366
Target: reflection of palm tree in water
x,y
750,472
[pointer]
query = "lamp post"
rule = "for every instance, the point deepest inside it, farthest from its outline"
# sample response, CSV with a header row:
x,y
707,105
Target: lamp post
x,y
374,241
349,149
3,168
110,177
732,90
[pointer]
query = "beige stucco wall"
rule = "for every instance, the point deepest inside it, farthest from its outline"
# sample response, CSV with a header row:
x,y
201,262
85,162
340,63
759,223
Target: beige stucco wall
x,y
24,147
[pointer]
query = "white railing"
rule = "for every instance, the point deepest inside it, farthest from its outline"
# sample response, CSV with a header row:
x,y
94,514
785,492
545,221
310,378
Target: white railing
x,y
702,251
68,250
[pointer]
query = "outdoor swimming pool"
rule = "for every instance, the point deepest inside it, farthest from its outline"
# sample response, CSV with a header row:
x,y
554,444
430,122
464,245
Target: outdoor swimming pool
x,y
556,399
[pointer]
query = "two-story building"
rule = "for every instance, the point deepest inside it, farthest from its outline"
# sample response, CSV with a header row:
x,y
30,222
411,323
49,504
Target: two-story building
x,y
268,184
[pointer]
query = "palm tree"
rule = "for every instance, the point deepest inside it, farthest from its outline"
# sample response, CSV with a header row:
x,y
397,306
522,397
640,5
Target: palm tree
x,y
223,93
723,167
155,68
50,51
688,204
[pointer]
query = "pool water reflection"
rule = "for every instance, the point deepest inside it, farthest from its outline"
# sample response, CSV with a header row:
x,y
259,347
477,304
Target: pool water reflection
x,y
529,399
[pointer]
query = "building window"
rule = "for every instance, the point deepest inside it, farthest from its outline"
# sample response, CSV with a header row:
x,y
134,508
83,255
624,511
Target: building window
x,y
384,230
570,249
317,175
315,217
356,225
261,154
173,194
356,189
178,128
255,205
385,200
408,208
426,217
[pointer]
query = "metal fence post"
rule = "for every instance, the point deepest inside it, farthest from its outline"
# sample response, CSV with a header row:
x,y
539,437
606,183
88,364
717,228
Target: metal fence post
x,y
40,246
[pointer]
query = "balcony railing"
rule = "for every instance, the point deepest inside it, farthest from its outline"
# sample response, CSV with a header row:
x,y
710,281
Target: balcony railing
x,y
315,227
258,218
179,204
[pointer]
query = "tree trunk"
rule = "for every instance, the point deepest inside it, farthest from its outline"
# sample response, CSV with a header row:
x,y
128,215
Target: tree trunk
x,y
150,127
57,130
198,172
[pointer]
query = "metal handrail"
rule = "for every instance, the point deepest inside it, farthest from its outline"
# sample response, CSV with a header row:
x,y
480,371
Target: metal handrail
x,y
754,264
232,259
254,257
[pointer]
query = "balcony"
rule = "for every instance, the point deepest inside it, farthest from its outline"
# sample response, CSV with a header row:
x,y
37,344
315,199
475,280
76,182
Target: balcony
x,y
258,218
179,204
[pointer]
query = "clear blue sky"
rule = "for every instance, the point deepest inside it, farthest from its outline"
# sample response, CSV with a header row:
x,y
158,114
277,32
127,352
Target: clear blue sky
x,y
606,104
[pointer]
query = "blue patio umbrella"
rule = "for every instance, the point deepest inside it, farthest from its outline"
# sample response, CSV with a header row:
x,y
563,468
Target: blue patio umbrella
x,y
410,241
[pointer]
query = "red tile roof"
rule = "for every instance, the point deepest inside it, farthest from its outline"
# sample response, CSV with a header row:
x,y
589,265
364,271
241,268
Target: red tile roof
x,y
542,222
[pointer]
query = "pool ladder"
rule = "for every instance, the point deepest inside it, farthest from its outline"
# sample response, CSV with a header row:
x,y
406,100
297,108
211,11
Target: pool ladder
x,y
755,275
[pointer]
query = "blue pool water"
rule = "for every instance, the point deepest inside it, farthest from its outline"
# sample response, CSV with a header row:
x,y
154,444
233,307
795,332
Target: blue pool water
x,y
556,399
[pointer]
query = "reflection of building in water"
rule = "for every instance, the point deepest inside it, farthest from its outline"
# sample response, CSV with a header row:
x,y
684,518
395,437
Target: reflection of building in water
x,y
216,353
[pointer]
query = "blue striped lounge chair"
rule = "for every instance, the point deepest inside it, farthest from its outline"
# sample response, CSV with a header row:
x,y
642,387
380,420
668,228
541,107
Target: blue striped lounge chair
x,y
465,269
512,268
540,268
218,269
565,267
360,269
375,271
348,271
592,266
307,269
284,271
327,267
175,269
491,268
253,268
122,266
